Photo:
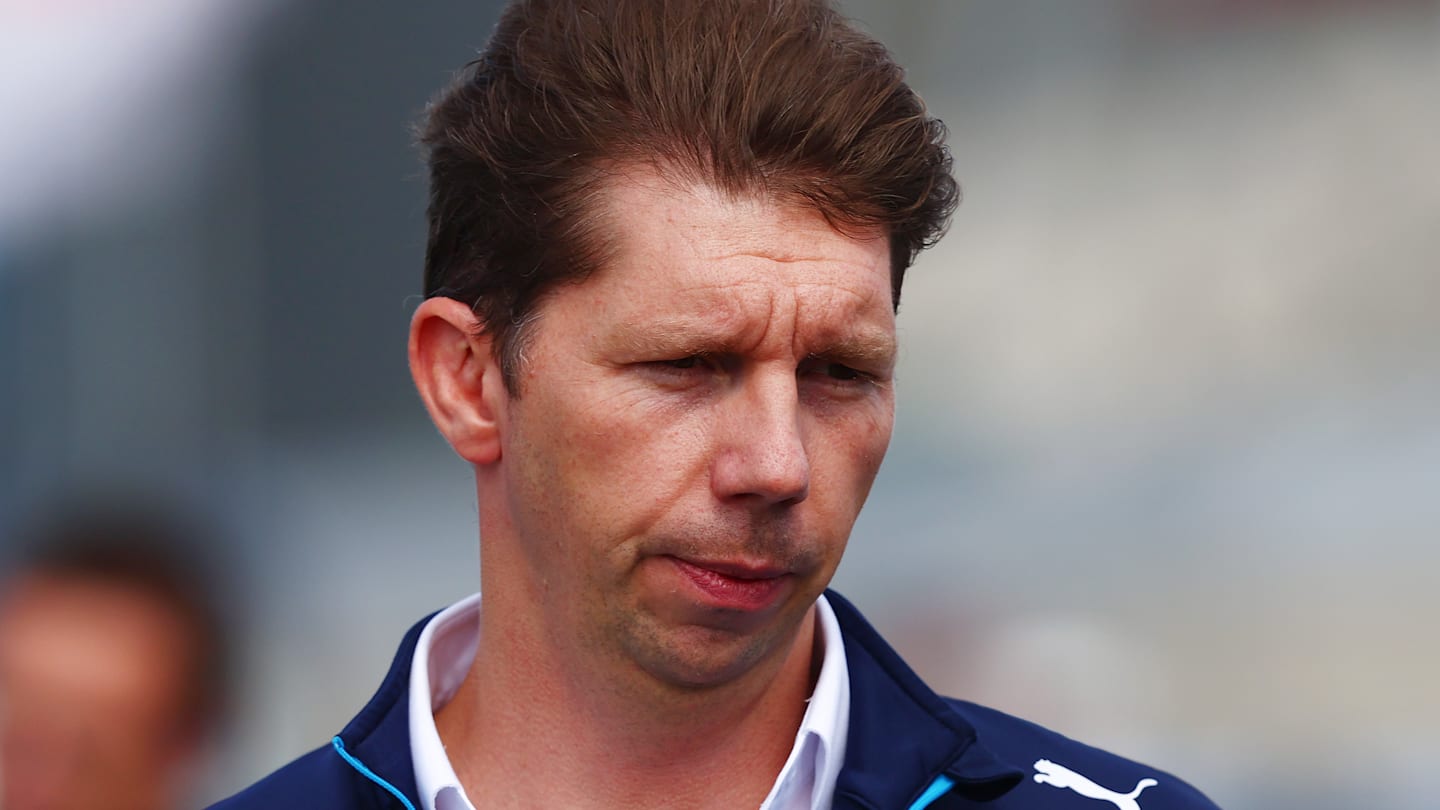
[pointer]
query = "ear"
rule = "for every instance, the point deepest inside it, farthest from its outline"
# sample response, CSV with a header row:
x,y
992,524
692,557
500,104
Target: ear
x,y
458,378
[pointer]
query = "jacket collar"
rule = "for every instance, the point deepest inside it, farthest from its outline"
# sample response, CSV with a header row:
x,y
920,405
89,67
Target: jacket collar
x,y
903,736
379,735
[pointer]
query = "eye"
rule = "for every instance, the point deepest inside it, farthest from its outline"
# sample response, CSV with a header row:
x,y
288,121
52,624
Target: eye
x,y
683,363
834,373
841,372
681,371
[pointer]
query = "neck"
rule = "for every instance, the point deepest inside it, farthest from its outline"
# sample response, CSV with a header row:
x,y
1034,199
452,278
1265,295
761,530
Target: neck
x,y
531,728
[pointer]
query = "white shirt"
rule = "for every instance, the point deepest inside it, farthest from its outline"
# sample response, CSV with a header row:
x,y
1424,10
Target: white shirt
x,y
447,646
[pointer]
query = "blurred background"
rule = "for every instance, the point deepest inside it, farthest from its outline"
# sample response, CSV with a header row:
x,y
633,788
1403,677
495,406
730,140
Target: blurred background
x,y
1166,468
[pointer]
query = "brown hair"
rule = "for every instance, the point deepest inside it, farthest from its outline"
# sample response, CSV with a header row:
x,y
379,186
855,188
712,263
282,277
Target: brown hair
x,y
780,98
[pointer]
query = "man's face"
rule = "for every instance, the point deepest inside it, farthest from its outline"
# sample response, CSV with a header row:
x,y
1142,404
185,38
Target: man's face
x,y
697,427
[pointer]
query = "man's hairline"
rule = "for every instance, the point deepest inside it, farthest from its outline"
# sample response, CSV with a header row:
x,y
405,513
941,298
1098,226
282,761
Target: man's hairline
x,y
678,175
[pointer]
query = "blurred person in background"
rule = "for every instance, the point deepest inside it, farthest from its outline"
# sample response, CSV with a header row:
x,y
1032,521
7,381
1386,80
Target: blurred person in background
x,y
666,248
111,663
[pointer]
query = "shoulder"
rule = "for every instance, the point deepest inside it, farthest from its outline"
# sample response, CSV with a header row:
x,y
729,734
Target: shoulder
x,y
316,781
1059,766
367,766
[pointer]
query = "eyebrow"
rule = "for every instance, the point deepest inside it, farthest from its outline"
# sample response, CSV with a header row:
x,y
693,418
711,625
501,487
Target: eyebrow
x,y
682,337
870,348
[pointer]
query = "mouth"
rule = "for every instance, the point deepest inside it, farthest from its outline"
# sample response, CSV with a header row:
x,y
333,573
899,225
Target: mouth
x,y
735,585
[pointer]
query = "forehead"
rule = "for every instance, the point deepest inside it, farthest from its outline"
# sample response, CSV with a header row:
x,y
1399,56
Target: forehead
x,y
652,208
668,233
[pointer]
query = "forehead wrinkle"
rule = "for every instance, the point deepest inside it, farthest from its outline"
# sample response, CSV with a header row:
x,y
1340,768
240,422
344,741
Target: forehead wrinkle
x,y
779,257
830,267
724,283
846,326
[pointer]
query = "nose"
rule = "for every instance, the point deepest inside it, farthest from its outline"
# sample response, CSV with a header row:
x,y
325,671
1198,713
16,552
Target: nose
x,y
761,455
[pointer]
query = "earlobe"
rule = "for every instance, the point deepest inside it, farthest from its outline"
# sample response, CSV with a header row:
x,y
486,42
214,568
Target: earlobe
x,y
457,378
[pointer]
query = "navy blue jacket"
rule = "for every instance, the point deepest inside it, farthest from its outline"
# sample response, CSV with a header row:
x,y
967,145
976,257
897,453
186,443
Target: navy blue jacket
x,y
908,749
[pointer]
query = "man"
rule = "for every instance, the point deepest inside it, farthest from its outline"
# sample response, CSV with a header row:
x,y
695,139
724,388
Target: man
x,y
666,248
111,666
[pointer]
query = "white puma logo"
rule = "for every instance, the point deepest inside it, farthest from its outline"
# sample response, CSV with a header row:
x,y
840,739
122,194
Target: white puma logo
x,y
1049,773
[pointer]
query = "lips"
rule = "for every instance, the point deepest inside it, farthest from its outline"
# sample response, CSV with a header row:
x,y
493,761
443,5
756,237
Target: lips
x,y
735,585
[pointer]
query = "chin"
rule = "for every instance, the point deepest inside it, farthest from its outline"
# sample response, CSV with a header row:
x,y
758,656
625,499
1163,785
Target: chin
x,y
696,658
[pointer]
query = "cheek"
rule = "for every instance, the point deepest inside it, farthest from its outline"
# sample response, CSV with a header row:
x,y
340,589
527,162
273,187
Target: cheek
x,y
863,435
847,457
614,466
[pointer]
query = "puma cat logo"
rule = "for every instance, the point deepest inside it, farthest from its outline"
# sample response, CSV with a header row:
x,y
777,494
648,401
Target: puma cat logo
x,y
1049,773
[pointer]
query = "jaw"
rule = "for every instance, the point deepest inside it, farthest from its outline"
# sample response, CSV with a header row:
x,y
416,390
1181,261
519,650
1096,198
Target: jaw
x,y
721,654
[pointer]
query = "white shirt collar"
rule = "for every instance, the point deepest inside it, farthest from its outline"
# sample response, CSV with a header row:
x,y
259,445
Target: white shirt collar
x,y
447,646
807,782
443,654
